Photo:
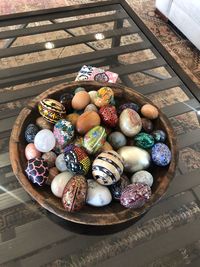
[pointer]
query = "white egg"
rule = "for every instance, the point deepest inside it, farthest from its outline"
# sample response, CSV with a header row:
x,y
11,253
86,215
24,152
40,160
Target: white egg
x,y
44,140
143,177
59,182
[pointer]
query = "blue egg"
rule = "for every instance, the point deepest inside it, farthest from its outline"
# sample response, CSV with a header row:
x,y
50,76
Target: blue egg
x,y
160,154
30,132
159,136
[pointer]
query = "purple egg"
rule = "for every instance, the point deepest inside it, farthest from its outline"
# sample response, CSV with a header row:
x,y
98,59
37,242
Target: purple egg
x,y
160,154
130,105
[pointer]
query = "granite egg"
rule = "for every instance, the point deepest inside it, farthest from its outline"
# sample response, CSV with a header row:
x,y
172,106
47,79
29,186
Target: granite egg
x,y
135,195
117,140
80,100
61,163
76,159
43,124
93,96
50,158
130,105
143,177
134,158
107,168
104,97
30,132
94,139
59,182
44,140
97,195
31,152
65,100
52,173
74,194
51,110
161,154
109,116
149,111
37,171
147,125
159,136
144,140
91,107
72,117
87,121
130,122
63,132
117,188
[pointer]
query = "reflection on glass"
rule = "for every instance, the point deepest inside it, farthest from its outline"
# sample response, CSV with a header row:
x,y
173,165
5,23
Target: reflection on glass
x,y
99,36
49,45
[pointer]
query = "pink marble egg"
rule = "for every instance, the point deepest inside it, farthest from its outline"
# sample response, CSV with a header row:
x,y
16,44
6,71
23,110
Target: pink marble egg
x,y
31,152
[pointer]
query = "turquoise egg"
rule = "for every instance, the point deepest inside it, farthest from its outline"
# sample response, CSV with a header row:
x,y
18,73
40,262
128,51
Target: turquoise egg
x,y
144,140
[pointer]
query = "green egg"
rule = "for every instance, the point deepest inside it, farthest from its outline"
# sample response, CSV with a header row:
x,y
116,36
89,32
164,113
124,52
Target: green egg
x,y
144,140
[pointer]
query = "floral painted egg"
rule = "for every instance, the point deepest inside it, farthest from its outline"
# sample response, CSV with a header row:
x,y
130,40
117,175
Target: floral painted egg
x,y
143,177
159,136
149,111
104,97
43,124
60,163
74,194
147,125
130,105
109,116
161,154
94,139
107,168
117,140
144,140
50,158
30,132
37,171
76,159
31,152
51,110
44,140
130,122
63,132
135,195
117,188
65,100
87,121
59,182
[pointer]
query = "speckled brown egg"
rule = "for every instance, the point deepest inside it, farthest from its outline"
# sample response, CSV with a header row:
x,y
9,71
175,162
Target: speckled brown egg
x,y
80,100
149,111
87,121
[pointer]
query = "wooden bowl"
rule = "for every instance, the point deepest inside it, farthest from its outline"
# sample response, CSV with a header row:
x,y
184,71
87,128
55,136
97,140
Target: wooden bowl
x,y
114,213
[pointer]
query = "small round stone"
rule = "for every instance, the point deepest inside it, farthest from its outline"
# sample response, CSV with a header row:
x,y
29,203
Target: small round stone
x,y
44,140
31,152
147,125
130,105
79,89
60,163
117,188
159,136
50,158
144,140
30,132
149,111
117,140
161,154
91,107
143,177
43,124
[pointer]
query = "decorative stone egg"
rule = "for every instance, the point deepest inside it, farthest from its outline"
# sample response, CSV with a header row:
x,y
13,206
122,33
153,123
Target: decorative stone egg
x,y
87,121
97,195
130,105
37,171
52,173
63,132
51,110
130,122
79,89
134,158
161,154
31,152
147,125
30,132
149,111
65,100
50,158
76,159
159,136
60,163
107,168
109,116
74,195
80,100
143,177
94,139
93,96
91,107
44,140
117,188
73,117
135,195
59,182
104,97
144,140
117,140
43,124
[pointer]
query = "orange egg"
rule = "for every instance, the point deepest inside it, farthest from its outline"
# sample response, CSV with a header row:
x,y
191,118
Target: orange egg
x,y
87,121
149,111
80,100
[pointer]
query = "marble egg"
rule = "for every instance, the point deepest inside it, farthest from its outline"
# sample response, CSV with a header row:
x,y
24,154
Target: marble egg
x,y
94,139
104,97
144,140
91,107
76,159
72,117
107,168
87,121
159,136
50,158
52,173
31,152
143,177
44,140
97,195
147,125
161,154
79,89
30,132
37,171
134,158
51,110
80,100
93,96
135,195
74,194
43,124
61,163
59,182
109,116
63,132
117,188
130,122
65,100
117,140
149,111
130,105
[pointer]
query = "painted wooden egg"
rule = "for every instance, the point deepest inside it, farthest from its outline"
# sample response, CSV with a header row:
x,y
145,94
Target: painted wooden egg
x,y
31,152
144,140
37,171
43,124
149,111
51,110
65,100
130,105
76,159
135,195
44,140
104,97
107,168
130,122
109,116
143,177
117,140
59,182
87,121
161,154
159,136
63,132
74,195
147,125
50,158
117,188
30,132
94,139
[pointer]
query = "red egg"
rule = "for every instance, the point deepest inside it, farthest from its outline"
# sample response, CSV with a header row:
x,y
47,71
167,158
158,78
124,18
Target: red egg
x,y
31,152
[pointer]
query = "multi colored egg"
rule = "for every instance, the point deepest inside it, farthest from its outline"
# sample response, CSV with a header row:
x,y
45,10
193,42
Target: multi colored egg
x,y
109,116
104,97
161,154
30,132
144,140
44,140
63,132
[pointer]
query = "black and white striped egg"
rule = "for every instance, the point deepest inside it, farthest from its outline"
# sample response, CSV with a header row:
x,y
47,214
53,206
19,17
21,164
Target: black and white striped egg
x,y
107,168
